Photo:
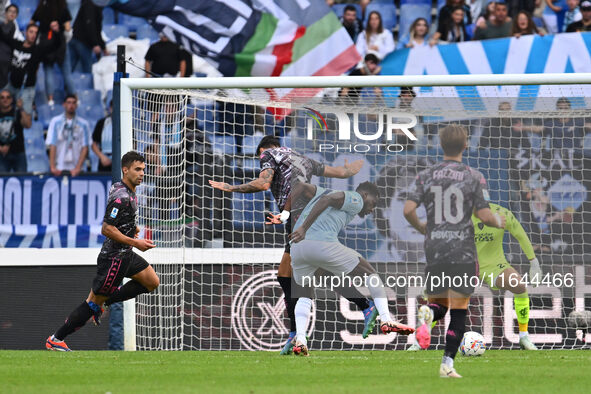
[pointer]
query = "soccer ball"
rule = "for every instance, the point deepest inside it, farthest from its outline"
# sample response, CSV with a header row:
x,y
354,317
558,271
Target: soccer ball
x,y
472,344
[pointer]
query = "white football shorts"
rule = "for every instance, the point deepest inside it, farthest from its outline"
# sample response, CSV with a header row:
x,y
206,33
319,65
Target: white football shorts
x,y
308,256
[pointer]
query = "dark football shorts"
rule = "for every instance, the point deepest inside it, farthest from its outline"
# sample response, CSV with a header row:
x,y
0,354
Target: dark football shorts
x,y
459,277
110,271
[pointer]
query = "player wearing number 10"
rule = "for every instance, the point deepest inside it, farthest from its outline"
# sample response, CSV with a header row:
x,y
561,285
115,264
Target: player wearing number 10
x,y
451,192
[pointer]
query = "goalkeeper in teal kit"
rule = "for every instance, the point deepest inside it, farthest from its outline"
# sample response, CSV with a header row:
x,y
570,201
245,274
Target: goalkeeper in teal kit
x,y
498,274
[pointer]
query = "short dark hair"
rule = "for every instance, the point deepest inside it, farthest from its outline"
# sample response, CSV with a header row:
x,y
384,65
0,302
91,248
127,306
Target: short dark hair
x,y
369,187
13,6
407,90
350,7
563,100
32,25
131,156
69,96
370,57
268,141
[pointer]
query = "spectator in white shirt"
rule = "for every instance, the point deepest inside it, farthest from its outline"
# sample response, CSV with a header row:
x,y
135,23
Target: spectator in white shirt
x,y
375,38
68,139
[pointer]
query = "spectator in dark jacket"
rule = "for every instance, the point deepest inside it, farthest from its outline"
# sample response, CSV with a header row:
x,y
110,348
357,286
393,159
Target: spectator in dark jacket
x,y
446,11
12,145
86,38
47,12
26,56
9,29
452,30
351,22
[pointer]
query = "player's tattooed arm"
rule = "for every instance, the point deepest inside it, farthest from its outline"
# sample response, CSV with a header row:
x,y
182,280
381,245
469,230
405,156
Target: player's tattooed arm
x,y
335,200
410,213
262,183
347,170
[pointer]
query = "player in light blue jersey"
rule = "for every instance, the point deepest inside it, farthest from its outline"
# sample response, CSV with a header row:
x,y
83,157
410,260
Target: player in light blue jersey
x,y
315,246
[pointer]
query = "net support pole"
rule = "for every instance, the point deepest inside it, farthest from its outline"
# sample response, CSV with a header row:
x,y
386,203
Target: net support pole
x,y
122,144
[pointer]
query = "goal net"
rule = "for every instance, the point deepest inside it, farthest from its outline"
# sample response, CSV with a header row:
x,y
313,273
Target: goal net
x,y
217,259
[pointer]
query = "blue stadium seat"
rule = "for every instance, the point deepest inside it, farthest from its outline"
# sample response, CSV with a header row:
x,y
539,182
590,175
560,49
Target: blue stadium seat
x,y
131,22
91,112
108,98
45,113
248,211
339,9
90,97
37,162
40,98
250,143
34,139
286,141
440,4
24,16
108,16
147,31
204,115
223,145
387,11
410,10
115,31
82,81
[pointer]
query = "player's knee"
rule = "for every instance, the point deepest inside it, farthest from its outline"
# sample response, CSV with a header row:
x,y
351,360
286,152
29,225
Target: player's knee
x,y
519,289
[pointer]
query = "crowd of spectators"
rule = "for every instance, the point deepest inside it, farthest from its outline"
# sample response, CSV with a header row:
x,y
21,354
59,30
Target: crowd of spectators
x,y
60,42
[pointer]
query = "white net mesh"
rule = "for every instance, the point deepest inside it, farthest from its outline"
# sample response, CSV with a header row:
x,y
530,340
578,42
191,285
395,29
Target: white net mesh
x,y
217,260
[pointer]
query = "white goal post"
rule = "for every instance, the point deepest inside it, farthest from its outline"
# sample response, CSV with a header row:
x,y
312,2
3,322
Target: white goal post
x,y
154,114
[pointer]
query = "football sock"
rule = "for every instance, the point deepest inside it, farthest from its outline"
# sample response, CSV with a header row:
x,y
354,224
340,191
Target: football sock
x,y
126,292
353,295
439,311
455,332
376,289
78,318
521,302
303,309
290,303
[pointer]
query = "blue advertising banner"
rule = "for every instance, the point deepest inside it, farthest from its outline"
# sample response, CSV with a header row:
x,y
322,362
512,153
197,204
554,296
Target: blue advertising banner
x,y
49,212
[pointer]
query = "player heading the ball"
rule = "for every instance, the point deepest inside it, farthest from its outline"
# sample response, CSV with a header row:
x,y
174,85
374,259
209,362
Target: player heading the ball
x,y
281,169
116,259
316,247
451,191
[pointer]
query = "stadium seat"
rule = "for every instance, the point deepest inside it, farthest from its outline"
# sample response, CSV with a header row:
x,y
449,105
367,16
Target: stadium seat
x,y
410,10
24,16
204,115
115,31
91,112
147,31
250,143
82,81
440,4
37,162
90,97
339,9
387,11
131,22
40,98
34,139
247,211
108,16
223,145
45,113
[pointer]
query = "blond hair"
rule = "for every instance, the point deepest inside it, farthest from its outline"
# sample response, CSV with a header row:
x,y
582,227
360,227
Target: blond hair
x,y
453,139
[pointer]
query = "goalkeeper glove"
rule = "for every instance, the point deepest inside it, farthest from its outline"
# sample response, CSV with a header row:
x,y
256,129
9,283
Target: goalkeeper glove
x,y
535,272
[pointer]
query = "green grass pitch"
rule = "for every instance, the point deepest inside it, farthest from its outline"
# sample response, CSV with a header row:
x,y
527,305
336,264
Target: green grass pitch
x,y
261,372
